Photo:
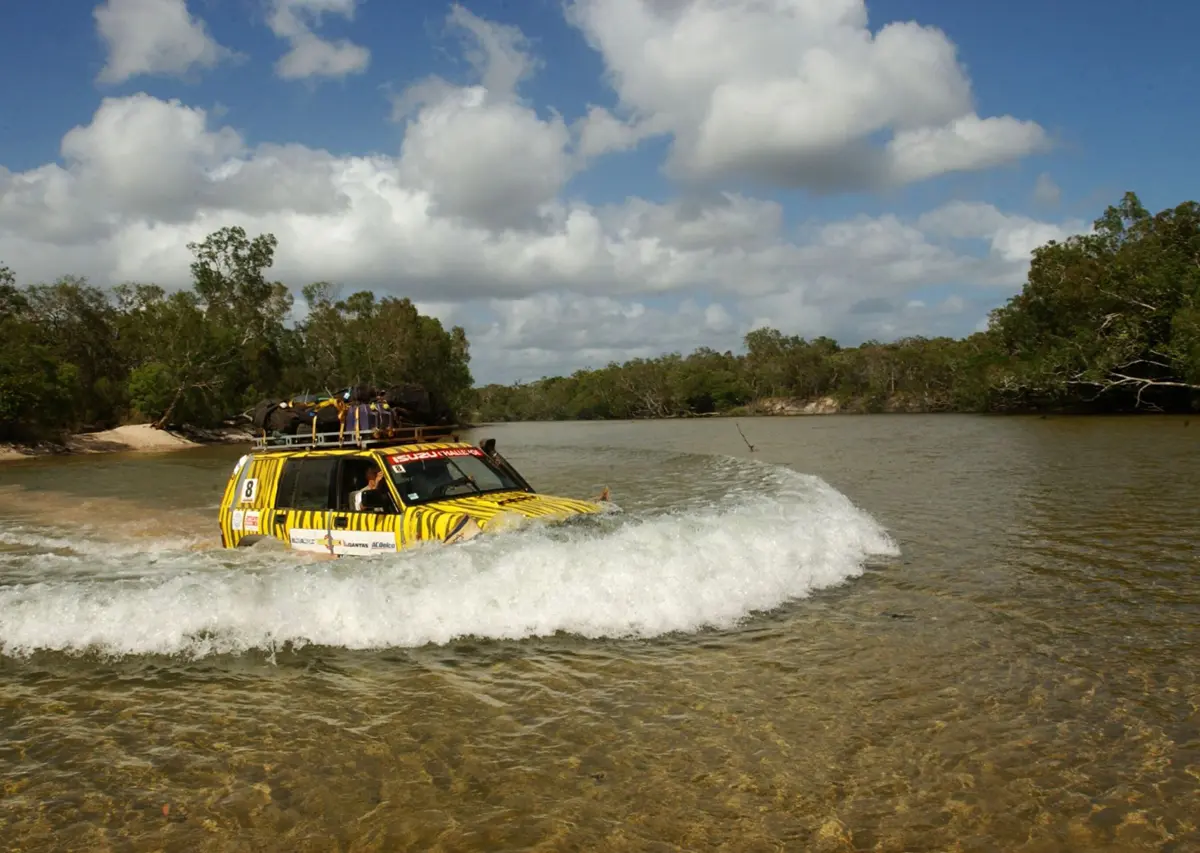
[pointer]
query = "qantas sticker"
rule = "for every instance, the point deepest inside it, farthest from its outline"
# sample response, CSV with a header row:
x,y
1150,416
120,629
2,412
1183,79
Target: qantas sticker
x,y
422,455
342,542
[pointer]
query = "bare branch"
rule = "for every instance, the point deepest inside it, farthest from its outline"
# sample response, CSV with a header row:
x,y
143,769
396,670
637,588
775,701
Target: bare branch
x,y
1123,380
1128,299
1166,383
1142,361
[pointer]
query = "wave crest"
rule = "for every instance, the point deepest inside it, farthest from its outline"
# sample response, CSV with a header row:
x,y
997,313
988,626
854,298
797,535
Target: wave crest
x,y
707,565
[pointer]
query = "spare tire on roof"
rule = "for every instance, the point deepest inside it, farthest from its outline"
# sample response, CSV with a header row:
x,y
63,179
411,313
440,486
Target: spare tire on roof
x,y
326,417
283,419
262,413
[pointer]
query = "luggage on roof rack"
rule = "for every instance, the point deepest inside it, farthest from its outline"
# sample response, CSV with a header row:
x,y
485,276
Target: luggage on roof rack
x,y
355,409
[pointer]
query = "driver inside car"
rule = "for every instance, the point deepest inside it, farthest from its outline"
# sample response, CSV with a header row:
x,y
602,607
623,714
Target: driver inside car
x,y
374,482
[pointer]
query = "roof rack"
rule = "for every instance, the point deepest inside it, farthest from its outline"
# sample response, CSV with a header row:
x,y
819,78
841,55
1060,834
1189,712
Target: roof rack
x,y
390,437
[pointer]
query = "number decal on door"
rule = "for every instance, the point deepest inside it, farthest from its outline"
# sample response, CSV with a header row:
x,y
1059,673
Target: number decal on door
x,y
250,490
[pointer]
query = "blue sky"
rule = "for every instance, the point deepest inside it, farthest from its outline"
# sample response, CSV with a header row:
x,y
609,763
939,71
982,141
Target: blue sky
x,y
1111,81
1110,84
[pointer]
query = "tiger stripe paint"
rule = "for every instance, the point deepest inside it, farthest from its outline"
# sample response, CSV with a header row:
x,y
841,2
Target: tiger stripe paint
x,y
436,521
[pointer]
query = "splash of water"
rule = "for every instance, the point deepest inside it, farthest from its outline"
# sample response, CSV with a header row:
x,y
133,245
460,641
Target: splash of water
x,y
699,566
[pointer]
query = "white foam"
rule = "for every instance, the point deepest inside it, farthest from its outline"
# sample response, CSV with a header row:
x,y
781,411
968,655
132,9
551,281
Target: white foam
x,y
84,541
638,576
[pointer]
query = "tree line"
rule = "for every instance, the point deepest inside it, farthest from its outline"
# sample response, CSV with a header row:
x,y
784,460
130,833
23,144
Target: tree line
x,y
74,357
1106,321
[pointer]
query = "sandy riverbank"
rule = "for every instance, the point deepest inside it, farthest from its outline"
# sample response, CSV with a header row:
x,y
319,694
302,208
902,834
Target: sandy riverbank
x,y
133,438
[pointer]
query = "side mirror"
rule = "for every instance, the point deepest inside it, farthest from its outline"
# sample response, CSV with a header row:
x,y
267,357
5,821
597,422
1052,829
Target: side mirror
x,y
488,445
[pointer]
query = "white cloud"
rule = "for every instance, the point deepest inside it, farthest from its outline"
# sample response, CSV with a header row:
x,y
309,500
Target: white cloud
x,y
153,37
499,53
478,151
791,92
965,144
586,284
310,55
1010,238
493,163
469,220
1046,192
556,333
600,132
142,160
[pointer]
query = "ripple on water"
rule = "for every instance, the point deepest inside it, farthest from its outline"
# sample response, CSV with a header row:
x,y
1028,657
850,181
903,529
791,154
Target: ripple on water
x,y
1021,677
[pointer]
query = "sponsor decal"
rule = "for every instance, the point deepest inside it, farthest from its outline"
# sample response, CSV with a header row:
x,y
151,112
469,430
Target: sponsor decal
x,y
249,490
422,455
238,518
250,521
342,541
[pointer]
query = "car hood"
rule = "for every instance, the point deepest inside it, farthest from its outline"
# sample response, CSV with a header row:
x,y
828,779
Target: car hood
x,y
501,509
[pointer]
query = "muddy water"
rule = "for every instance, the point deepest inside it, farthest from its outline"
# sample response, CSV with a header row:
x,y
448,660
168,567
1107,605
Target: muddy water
x,y
881,633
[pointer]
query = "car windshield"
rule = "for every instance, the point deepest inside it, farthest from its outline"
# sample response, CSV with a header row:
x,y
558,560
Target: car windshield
x,y
432,475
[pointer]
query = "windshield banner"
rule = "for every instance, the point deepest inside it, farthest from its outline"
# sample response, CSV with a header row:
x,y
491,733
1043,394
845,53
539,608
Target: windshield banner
x,y
422,455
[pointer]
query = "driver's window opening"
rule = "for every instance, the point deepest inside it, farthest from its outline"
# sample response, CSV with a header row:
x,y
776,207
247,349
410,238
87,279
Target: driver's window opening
x,y
354,477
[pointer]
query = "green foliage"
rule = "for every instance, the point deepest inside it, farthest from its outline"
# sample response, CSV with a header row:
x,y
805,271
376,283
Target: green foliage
x,y
365,340
914,374
1106,321
76,357
1108,318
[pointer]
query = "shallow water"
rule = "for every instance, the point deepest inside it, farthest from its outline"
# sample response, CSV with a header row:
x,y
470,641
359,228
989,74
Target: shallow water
x,y
878,633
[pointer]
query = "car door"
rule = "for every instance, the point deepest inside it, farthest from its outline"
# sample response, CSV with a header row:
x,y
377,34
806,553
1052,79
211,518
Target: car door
x,y
360,532
303,503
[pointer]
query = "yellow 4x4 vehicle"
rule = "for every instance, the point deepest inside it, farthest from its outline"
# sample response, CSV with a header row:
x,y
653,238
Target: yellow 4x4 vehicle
x,y
304,491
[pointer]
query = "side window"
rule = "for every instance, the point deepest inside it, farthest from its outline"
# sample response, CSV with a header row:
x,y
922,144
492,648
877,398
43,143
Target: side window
x,y
306,484
287,483
353,477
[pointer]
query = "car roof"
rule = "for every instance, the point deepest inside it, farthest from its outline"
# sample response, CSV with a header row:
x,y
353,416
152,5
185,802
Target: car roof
x,y
385,449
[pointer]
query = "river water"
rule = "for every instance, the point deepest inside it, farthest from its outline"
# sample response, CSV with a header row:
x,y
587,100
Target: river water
x,y
879,633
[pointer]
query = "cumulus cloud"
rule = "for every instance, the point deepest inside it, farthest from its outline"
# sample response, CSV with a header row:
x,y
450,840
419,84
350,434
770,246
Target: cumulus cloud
x,y
478,151
145,160
310,55
791,92
469,219
589,283
555,333
1010,238
153,37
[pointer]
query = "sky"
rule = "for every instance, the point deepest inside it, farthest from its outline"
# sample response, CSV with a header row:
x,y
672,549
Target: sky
x,y
582,181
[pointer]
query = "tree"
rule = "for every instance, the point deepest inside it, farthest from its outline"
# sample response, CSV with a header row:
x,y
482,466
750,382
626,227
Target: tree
x,y
1109,317
246,312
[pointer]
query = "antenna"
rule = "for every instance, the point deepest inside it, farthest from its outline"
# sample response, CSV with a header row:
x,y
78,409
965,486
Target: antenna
x,y
743,435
